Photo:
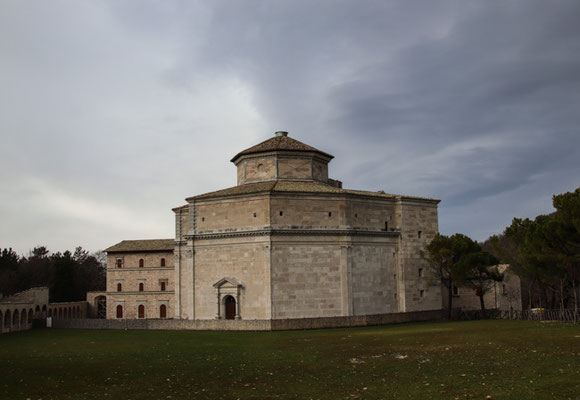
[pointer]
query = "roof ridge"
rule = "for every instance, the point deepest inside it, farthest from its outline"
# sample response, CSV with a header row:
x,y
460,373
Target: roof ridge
x,y
284,143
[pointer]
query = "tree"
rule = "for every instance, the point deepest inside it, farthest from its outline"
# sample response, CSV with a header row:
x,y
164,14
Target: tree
x,y
546,251
9,261
479,271
565,231
68,275
444,254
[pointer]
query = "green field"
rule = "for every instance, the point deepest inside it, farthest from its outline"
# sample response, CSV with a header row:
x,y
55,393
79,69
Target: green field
x,y
501,359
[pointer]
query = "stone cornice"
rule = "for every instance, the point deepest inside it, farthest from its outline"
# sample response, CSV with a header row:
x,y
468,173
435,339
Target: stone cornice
x,y
132,293
141,269
301,232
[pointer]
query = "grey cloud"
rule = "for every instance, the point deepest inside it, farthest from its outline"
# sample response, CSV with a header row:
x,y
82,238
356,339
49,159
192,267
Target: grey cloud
x,y
135,105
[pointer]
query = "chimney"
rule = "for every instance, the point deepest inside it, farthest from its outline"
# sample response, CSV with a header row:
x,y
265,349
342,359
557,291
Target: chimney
x,y
281,133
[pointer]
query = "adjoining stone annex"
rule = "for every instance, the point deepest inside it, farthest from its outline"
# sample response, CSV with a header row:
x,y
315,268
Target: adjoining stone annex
x,y
286,242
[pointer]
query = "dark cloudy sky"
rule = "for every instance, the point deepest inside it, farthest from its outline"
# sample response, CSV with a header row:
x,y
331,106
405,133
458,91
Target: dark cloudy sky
x,y
112,112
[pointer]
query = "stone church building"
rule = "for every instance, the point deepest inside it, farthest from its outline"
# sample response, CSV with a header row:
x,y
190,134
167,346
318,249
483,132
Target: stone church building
x,y
286,242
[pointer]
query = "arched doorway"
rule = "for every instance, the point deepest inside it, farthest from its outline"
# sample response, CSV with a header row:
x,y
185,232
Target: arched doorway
x,y
230,304
119,311
141,311
162,311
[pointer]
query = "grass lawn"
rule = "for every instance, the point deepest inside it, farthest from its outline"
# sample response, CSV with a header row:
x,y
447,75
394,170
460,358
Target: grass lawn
x,y
440,360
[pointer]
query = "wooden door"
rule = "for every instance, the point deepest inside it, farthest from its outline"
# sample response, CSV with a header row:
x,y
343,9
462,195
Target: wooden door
x,y
230,307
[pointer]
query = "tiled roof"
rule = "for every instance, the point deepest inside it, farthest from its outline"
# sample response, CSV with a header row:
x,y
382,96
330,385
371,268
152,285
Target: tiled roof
x,y
279,143
143,245
249,188
295,186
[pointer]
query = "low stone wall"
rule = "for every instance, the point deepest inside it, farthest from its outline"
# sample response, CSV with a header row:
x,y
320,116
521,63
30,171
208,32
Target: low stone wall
x,y
249,325
164,324
357,320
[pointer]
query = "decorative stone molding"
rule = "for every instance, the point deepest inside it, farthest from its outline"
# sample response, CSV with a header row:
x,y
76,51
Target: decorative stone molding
x,y
308,232
227,287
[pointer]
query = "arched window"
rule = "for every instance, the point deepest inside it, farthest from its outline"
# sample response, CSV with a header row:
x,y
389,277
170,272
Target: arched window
x,y
141,263
15,318
163,262
7,319
119,287
141,311
119,263
23,317
119,311
140,286
162,311
50,313
30,313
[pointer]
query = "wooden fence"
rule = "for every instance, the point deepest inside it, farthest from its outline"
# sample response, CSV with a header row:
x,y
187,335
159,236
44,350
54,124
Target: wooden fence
x,y
566,315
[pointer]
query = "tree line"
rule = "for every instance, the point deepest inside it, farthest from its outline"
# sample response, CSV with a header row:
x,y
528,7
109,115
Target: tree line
x,y
69,276
543,252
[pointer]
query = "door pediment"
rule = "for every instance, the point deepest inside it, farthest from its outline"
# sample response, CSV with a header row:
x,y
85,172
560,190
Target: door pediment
x,y
228,283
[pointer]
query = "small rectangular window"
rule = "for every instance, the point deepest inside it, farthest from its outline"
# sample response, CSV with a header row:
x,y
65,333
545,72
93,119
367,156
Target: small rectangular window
x,y
202,219
254,215
386,226
395,295
419,234
421,293
163,286
330,213
420,272
119,263
281,213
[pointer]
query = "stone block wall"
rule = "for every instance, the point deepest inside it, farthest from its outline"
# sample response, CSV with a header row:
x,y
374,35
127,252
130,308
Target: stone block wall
x,y
307,212
419,225
371,214
298,168
259,169
374,286
130,276
306,277
131,302
245,259
230,215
